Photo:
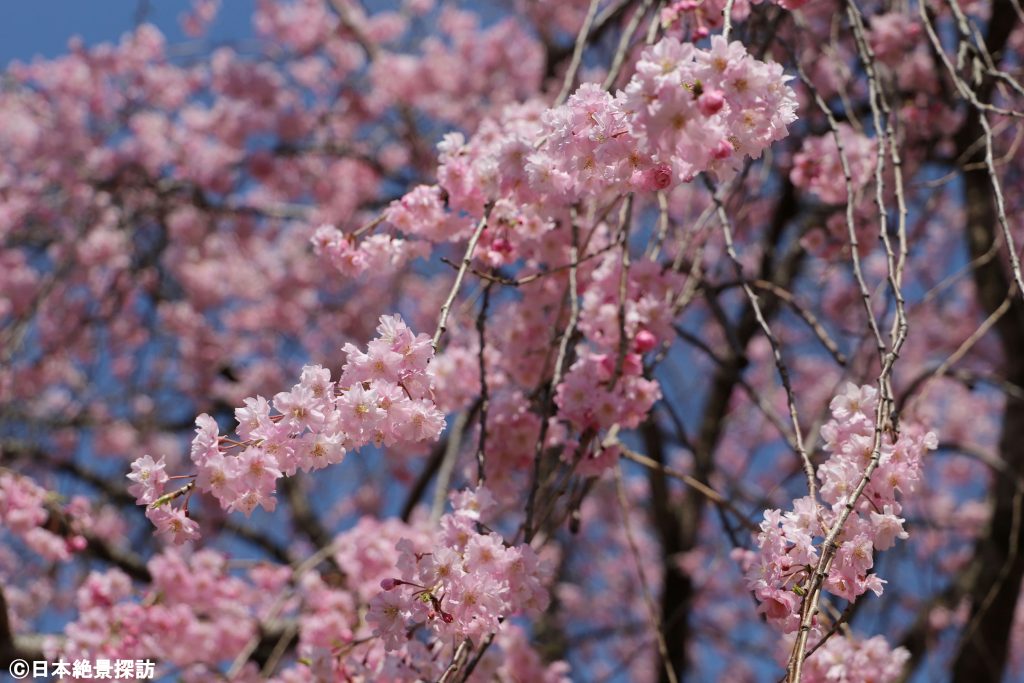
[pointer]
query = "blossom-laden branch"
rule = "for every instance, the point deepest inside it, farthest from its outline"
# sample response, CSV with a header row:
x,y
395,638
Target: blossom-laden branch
x,y
382,397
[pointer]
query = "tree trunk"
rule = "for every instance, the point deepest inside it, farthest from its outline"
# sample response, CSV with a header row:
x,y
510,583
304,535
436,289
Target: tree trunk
x,y
998,556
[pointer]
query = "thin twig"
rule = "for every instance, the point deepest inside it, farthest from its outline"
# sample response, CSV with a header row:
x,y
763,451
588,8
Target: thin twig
x,y
624,40
727,19
696,484
458,659
481,449
755,305
444,474
467,258
577,53
652,609
563,352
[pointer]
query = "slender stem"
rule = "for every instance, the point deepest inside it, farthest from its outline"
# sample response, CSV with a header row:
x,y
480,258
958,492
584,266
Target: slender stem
x,y
481,449
442,323
577,53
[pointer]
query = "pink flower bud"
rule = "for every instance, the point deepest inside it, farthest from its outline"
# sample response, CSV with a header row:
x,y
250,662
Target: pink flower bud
x,y
389,584
659,177
652,179
711,102
644,341
723,150
502,246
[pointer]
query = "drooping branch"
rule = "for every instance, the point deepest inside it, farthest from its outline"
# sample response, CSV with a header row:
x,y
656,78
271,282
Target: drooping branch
x,y
679,524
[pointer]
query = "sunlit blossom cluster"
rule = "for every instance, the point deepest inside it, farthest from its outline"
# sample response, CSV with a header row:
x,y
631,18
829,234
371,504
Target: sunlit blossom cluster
x,y
196,598
788,544
819,166
464,585
382,398
844,659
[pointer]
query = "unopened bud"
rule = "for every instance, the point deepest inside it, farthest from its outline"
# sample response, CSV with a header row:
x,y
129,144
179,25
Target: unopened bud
x,y
723,150
644,341
76,544
711,102
502,246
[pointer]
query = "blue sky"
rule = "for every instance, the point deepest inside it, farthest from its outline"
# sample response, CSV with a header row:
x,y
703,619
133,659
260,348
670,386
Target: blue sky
x,y
42,27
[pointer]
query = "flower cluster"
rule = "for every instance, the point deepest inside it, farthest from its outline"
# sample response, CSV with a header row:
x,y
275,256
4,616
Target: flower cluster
x,y
374,255
703,16
198,599
591,396
892,35
215,611
464,62
646,306
350,632
606,385
382,397
787,551
685,110
24,511
707,109
847,659
818,167
464,586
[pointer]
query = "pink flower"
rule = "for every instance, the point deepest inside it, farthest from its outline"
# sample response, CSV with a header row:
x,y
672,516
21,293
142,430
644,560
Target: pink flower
x,y
149,477
854,400
300,407
318,450
173,523
206,441
387,617
476,504
779,604
857,554
887,528
818,166
216,475
255,416
476,603
255,468
644,341
360,412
